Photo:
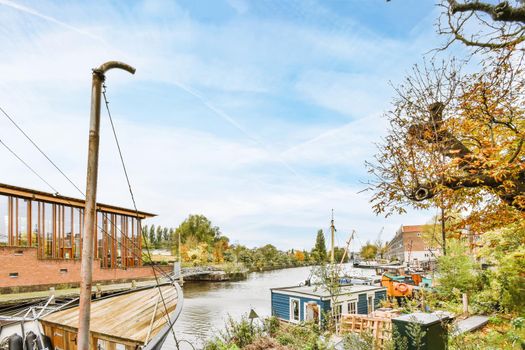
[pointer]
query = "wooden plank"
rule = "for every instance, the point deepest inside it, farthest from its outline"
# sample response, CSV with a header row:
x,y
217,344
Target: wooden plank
x,y
125,316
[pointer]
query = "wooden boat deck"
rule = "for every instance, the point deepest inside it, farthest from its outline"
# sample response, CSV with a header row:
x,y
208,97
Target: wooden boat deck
x,y
127,317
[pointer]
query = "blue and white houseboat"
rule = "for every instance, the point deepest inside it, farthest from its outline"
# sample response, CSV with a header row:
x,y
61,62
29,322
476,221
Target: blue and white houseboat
x,y
308,303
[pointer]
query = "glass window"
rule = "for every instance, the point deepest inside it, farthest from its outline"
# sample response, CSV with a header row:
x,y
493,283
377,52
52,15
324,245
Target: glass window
x,y
370,304
294,310
118,240
22,222
101,236
352,307
68,234
338,311
48,230
77,229
4,220
34,223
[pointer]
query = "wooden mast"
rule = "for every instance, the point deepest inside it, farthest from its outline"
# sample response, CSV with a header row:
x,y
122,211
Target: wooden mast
x,y
332,249
90,219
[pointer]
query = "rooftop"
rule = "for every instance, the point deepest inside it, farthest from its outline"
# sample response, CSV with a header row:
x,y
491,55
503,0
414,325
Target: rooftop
x,y
412,228
318,291
10,190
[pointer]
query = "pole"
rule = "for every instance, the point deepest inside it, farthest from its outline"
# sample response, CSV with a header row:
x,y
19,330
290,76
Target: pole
x,y
443,232
181,279
332,229
86,268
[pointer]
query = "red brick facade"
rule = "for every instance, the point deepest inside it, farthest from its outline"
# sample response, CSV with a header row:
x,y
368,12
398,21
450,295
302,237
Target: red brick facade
x,y
20,270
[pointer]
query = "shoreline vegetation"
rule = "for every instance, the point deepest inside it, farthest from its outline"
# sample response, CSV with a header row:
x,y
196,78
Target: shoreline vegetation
x,y
203,245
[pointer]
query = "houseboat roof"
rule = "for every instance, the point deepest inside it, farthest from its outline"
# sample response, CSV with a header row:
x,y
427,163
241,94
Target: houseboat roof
x,y
10,190
136,316
319,292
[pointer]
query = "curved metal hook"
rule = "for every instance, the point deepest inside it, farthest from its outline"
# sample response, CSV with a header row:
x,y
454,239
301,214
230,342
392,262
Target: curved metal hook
x,y
114,64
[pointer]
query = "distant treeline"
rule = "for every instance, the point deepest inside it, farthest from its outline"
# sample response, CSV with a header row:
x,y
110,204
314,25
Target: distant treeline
x,y
202,243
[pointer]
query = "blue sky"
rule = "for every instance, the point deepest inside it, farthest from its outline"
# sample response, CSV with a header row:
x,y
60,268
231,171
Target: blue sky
x,y
257,114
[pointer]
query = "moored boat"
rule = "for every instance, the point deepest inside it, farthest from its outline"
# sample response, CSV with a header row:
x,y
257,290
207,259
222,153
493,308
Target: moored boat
x,y
140,318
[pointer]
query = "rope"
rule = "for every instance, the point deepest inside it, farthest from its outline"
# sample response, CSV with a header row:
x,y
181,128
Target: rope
x,y
74,185
104,93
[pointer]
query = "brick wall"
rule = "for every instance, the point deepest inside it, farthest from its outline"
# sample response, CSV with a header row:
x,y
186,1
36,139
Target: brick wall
x,y
35,274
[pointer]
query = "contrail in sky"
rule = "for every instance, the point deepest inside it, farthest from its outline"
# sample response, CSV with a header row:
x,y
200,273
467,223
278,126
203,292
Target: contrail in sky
x,y
48,18
233,122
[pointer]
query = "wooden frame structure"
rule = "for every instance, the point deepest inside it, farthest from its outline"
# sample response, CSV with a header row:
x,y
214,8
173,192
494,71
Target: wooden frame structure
x,y
380,327
54,225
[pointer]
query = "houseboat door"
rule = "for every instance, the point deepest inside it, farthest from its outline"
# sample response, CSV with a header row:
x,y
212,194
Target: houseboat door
x,y
312,312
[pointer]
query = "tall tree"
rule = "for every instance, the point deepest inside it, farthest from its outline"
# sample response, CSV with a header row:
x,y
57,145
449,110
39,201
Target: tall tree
x,y
456,140
483,24
319,250
158,237
165,237
199,227
368,251
152,235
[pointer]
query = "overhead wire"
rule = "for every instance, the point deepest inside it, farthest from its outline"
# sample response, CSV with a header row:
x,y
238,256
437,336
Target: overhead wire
x,y
56,192
28,166
40,150
104,94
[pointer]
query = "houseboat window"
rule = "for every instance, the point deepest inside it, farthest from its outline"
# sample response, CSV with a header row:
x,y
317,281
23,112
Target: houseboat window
x,y
21,231
120,346
101,237
4,220
68,235
338,311
102,344
370,304
294,310
48,230
129,242
35,222
352,307
77,227
118,240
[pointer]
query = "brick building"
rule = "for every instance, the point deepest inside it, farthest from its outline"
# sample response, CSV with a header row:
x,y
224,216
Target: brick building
x,y
41,238
408,246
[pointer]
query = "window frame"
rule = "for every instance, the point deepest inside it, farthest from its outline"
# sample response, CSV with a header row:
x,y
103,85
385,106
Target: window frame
x,y
292,318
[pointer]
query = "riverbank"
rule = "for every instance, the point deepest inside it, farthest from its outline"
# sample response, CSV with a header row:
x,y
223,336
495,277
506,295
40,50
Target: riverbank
x,y
228,272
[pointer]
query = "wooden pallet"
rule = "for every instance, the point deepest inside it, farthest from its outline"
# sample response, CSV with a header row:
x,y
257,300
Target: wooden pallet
x,y
380,328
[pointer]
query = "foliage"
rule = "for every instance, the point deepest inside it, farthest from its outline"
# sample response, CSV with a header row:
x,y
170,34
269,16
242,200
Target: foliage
x,y
339,253
455,141
458,272
270,333
236,333
416,335
304,336
504,249
200,227
358,341
368,251
328,276
319,251
501,333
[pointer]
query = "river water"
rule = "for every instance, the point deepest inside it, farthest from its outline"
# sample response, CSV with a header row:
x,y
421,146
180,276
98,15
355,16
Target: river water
x,y
207,305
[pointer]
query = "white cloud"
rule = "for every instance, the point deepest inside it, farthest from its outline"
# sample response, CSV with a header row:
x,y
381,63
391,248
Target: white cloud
x,y
258,190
